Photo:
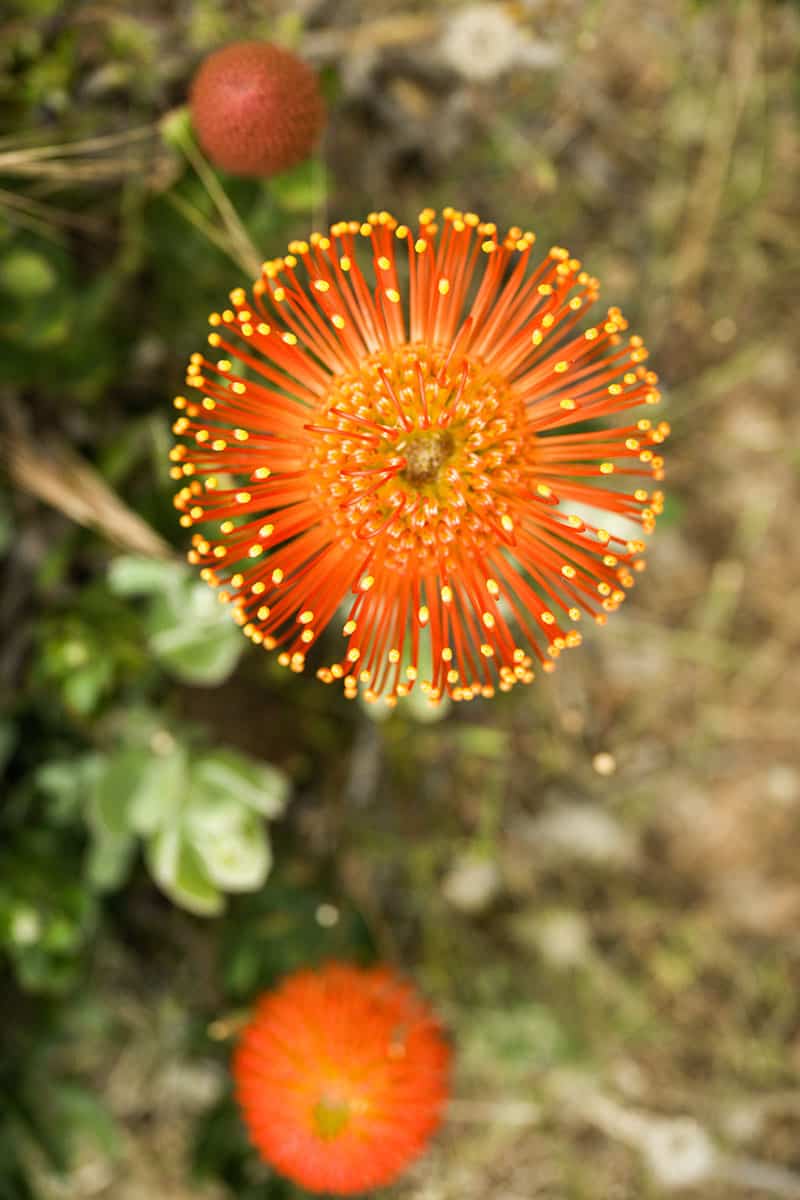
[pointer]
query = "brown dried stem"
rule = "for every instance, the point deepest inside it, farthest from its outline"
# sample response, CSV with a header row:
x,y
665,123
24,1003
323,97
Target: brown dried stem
x,y
64,480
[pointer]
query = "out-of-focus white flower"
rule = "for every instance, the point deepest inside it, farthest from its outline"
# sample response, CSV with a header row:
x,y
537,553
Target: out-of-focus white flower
x,y
679,1152
582,832
471,884
536,54
483,41
563,938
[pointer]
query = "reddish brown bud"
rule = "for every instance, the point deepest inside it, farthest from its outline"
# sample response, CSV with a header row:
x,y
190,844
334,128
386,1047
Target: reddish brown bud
x,y
256,108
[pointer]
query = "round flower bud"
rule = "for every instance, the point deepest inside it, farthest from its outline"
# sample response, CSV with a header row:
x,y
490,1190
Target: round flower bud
x,y
256,108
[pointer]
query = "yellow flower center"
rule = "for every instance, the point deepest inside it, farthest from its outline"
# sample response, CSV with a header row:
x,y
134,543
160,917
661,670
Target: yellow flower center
x,y
330,1117
421,446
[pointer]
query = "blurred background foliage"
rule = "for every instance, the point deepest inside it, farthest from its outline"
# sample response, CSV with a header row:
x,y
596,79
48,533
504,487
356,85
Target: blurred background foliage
x,y
595,880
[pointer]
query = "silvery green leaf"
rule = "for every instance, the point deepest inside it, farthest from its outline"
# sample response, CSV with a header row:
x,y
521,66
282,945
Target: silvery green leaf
x,y
109,859
135,575
179,871
193,635
115,788
161,793
238,860
212,816
228,774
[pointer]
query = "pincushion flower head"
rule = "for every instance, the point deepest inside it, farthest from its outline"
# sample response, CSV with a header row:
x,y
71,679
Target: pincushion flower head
x,y
416,437
256,108
341,1077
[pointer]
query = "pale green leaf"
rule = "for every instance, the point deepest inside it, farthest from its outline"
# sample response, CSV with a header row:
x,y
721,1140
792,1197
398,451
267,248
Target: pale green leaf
x,y
193,636
238,860
135,575
115,788
226,773
109,859
161,793
179,871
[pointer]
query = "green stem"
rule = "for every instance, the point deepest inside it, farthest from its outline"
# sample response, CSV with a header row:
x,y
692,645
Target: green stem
x,y
246,254
196,218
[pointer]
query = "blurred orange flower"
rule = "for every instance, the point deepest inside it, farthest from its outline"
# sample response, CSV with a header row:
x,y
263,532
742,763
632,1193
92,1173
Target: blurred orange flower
x,y
341,1077
459,463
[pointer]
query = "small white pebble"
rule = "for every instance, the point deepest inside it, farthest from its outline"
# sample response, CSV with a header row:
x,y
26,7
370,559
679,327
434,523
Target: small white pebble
x,y
604,763
327,915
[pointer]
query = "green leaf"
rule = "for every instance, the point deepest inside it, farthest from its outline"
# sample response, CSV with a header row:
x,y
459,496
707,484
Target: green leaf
x,y
200,657
237,859
83,1113
179,871
116,788
193,636
209,816
109,859
157,801
302,188
135,575
25,274
61,779
84,687
226,773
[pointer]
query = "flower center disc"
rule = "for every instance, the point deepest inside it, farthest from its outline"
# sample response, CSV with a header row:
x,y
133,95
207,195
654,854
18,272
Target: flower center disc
x,y
425,453
422,447
330,1117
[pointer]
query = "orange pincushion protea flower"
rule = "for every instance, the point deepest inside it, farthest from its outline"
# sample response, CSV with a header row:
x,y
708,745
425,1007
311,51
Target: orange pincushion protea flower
x,y
341,1077
410,462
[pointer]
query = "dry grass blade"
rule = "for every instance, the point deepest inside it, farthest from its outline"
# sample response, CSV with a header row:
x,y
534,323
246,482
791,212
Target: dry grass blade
x,y
93,170
62,479
27,154
106,158
708,186
49,214
398,30
382,33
